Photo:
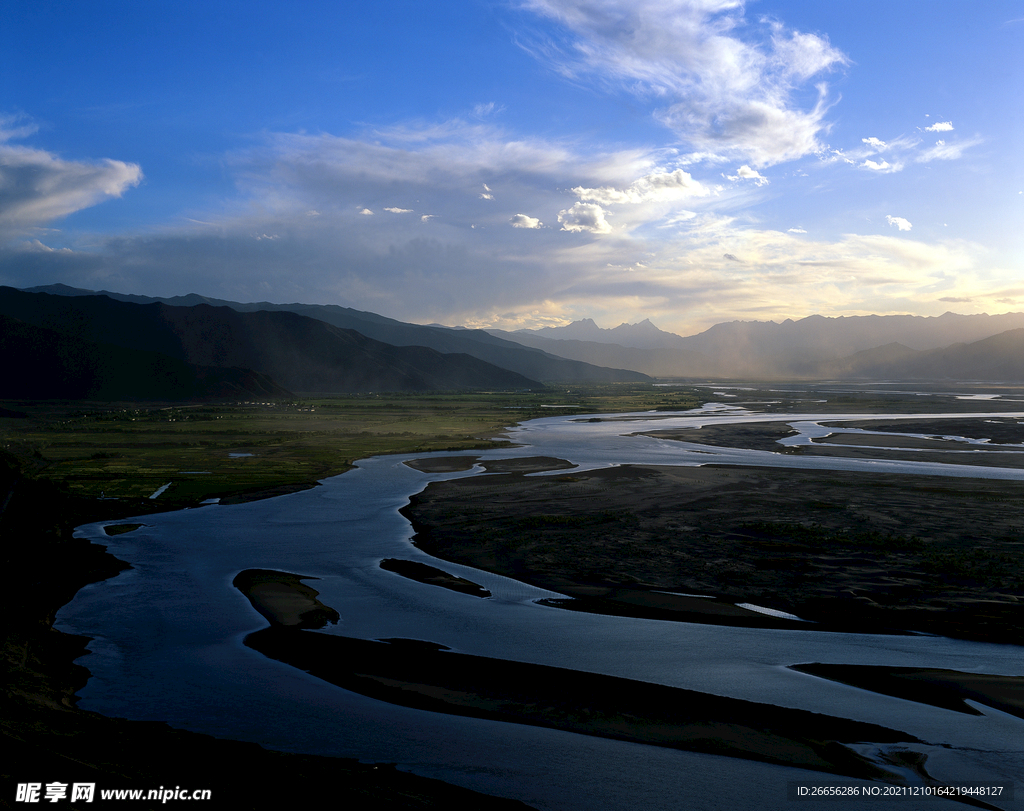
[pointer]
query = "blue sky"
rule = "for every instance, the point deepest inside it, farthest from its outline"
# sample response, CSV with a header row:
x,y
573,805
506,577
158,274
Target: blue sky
x,y
521,164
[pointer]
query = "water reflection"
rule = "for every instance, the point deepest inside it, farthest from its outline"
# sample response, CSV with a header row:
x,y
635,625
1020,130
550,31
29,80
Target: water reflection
x,y
167,638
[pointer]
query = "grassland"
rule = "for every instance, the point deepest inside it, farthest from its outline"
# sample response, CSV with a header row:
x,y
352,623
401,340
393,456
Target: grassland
x,y
129,451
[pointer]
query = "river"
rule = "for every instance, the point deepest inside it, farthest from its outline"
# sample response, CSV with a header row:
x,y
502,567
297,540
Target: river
x,y
167,641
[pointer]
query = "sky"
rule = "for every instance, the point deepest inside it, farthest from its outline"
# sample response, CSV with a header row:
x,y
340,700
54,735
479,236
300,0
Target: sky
x,y
521,163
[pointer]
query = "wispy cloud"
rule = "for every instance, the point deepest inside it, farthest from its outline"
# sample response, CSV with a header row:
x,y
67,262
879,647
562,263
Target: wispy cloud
x,y
725,85
37,187
943,151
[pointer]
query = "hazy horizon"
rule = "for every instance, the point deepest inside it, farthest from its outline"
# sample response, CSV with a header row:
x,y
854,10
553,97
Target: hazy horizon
x,y
521,164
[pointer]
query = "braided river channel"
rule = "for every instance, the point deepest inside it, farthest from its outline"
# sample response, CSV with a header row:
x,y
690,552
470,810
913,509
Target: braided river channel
x,y
168,638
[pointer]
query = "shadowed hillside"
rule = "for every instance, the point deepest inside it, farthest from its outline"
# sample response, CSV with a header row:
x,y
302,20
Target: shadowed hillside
x,y
508,354
299,353
42,363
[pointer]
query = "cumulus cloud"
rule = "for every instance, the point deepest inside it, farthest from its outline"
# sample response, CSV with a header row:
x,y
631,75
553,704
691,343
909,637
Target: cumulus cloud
x,y
37,187
525,221
746,173
394,210
884,166
899,222
722,90
367,212
655,187
875,143
796,231
584,217
941,126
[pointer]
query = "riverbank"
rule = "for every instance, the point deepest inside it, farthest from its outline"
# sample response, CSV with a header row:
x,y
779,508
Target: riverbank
x,y
48,739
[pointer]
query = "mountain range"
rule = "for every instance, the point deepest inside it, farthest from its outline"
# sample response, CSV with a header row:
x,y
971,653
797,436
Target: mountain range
x,y
812,347
89,340
531,363
66,342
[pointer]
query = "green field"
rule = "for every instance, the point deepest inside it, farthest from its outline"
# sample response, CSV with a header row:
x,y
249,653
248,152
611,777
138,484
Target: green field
x,y
129,451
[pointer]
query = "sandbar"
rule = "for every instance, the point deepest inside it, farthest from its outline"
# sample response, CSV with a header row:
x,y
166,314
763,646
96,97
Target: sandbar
x,y
432,576
427,676
524,464
935,686
283,599
849,551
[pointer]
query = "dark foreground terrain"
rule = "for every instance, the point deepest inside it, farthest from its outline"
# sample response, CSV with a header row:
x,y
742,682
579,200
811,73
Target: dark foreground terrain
x,y
47,739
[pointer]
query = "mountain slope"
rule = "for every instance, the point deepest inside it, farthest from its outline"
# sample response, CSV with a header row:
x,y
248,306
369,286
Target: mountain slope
x,y
508,354
300,353
999,357
658,362
811,347
41,363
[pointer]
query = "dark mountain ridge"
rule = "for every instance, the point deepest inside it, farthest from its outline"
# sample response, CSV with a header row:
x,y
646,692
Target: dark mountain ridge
x,y
44,364
507,354
949,346
302,354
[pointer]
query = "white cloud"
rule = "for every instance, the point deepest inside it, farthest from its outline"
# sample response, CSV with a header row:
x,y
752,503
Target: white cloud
x,y
394,210
37,186
947,152
11,129
655,187
899,222
36,245
725,85
678,218
941,126
484,110
525,221
581,267
746,173
427,217
584,217
875,143
796,231
884,167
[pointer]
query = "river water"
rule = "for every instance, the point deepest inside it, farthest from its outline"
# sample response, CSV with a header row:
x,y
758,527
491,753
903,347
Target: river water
x,y
167,641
